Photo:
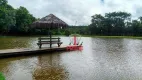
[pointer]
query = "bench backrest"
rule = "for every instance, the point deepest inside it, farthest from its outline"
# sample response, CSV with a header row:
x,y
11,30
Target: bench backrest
x,y
49,39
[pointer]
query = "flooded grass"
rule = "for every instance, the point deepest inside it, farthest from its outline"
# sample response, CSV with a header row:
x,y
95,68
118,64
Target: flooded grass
x,y
52,73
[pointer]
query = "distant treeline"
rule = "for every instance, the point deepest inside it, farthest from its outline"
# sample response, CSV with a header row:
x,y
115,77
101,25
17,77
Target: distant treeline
x,y
115,23
18,21
112,24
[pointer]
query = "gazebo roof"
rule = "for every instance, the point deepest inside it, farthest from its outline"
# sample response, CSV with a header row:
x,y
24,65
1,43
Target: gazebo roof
x,y
49,21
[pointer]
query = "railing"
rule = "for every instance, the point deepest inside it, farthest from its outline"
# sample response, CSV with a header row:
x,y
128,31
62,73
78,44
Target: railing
x,y
50,41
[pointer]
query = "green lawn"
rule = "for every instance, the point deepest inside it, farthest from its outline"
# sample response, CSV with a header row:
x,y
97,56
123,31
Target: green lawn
x,y
134,37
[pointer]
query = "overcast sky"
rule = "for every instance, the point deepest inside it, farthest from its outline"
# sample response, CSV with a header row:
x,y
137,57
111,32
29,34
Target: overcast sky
x,y
78,10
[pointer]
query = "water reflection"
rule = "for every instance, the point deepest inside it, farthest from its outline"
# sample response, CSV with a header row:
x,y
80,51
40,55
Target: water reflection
x,y
49,68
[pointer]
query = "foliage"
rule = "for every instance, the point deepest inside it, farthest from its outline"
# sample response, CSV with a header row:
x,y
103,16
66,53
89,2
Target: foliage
x,y
115,23
7,19
67,32
2,76
14,20
23,20
78,30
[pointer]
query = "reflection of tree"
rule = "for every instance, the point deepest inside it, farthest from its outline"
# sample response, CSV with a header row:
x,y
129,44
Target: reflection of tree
x,y
49,68
16,42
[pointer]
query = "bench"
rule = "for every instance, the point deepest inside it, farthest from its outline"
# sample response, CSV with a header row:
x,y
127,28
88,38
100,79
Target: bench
x,y
50,41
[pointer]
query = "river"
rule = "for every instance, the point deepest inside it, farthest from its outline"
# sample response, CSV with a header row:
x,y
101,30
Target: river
x,y
100,59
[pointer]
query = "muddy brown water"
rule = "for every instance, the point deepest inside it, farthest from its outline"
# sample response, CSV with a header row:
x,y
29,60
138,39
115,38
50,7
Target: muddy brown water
x,y
101,59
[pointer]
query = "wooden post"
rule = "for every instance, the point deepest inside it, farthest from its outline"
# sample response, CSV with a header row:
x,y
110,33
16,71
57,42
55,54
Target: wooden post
x,y
50,40
50,33
58,42
40,42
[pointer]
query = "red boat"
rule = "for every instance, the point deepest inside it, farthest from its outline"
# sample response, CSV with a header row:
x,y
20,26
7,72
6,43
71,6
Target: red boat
x,y
75,44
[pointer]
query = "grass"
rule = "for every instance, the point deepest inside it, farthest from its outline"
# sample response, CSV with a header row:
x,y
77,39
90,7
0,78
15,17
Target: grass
x,y
2,76
32,36
133,37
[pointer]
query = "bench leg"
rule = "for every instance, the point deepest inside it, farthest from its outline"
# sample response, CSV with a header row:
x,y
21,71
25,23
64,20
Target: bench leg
x,y
59,45
50,45
40,46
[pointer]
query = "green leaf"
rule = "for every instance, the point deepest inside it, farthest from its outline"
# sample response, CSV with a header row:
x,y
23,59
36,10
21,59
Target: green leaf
x,y
2,76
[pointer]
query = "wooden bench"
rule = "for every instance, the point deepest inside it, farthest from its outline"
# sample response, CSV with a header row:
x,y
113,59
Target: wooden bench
x,y
50,41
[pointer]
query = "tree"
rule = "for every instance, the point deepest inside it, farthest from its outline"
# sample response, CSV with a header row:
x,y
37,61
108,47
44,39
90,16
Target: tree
x,y
14,20
3,2
97,24
113,23
7,16
117,21
23,20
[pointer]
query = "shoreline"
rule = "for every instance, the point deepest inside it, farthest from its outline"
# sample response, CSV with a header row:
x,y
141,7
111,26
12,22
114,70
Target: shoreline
x,y
133,37
95,36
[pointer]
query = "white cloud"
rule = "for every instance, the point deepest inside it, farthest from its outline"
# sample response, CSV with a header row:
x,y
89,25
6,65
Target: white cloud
x,y
78,10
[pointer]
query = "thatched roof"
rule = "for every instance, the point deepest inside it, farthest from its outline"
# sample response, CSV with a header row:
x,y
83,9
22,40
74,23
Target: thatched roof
x,y
50,21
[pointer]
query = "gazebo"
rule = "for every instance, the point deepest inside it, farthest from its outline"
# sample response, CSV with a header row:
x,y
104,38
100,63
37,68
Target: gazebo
x,y
50,22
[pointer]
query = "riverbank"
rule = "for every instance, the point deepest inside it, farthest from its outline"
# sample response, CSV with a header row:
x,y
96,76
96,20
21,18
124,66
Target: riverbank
x,y
133,37
31,35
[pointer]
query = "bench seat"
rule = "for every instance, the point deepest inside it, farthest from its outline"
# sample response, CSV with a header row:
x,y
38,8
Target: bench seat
x,y
42,41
